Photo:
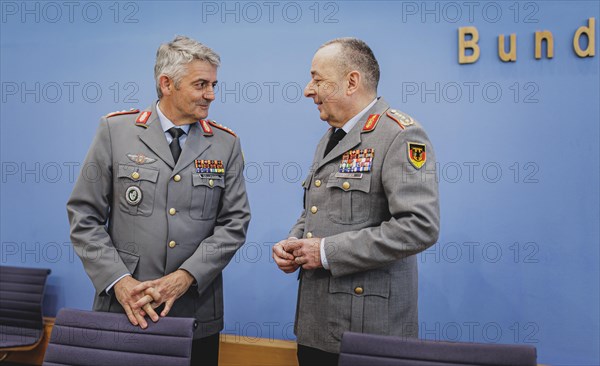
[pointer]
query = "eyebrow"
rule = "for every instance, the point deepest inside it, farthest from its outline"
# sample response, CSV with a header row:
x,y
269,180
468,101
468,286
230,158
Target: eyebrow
x,y
204,81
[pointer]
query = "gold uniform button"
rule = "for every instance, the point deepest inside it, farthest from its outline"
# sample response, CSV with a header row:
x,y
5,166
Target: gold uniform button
x,y
177,178
318,183
345,185
172,211
314,209
358,290
211,182
309,235
172,244
135,175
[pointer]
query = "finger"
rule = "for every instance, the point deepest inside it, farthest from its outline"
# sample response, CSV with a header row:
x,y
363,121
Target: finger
x,y
130,315
289,246
151,313
283,253
278,251
146,299
167,308
288,269
299,260
152,291
140,319
308,263
142,287
283,262
297,253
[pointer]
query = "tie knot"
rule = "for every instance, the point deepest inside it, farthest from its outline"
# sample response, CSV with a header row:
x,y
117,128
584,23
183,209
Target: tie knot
x,y
175,132
338,135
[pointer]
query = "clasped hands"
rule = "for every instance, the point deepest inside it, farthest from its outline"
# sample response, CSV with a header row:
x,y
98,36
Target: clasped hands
x,y
292,253
139,299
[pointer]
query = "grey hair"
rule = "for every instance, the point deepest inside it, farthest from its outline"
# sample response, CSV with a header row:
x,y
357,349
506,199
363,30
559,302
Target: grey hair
x,y
173,57
357,55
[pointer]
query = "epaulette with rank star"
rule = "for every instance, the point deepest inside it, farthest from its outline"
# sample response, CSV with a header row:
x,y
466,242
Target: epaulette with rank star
x,y
118,113
220,127
403,120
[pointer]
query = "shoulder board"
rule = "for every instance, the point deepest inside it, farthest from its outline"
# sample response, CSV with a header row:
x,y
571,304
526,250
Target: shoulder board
x,y
221,127
371,123
403,120
118,113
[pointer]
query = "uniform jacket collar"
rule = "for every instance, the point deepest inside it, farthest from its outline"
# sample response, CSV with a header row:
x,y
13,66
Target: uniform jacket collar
x,y
351,140
154,138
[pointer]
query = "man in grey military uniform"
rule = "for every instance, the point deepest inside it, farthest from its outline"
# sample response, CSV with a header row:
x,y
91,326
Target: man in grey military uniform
x,y
371,204
160,207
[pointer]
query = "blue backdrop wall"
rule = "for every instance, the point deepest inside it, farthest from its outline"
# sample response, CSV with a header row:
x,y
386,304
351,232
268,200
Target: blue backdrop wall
x,y
517,143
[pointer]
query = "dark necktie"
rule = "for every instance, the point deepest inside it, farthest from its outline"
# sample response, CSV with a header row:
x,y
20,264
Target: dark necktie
x,y
334,139
174,145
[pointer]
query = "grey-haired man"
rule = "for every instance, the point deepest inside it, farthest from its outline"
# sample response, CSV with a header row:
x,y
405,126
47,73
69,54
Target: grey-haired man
x,y
160,207
371,203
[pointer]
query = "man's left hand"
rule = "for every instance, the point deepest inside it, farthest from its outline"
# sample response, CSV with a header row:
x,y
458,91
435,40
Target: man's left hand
x,y
165,290
307,252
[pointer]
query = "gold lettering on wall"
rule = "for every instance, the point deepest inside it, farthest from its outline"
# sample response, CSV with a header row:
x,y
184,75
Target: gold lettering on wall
x,y
468,40
464,44
539,38
590,32
511,55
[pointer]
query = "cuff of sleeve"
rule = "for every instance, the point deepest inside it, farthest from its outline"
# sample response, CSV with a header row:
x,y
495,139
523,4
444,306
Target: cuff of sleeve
x,y
323,256
115,282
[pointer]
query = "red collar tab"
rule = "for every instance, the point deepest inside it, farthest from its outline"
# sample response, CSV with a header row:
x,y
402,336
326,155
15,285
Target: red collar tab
x,y
143,118
371,123
206,127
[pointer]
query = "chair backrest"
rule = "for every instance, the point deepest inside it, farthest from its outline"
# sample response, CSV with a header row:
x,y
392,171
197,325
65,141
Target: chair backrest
x,y
21,297
376,350
89,338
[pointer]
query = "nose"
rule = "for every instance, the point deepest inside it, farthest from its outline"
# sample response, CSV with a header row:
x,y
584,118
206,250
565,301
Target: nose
x,y
209,93
309,90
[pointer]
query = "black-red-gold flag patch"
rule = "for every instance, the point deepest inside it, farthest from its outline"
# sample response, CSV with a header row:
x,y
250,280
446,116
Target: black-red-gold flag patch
x,y
417,154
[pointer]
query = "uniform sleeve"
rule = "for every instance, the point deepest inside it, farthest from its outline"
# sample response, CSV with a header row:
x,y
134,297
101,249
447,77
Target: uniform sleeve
x,y
88,210
297,230
229,234
412,196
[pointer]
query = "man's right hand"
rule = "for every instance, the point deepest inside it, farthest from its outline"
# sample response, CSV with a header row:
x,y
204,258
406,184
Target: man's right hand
x,y
126,297
284,260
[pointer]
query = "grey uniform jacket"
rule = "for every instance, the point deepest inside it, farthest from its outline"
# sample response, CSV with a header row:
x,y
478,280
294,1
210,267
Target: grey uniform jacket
x,y
373,225
185,219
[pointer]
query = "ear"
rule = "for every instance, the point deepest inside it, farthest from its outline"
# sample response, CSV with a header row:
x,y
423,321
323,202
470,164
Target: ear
x,y
353,79
166,84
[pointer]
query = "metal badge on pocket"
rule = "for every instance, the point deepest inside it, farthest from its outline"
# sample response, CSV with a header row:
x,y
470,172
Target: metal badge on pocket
x,y
133,195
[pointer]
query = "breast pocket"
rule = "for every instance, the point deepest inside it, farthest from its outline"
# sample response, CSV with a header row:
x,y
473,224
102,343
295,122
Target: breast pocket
x,y
137,188
349,201
206,194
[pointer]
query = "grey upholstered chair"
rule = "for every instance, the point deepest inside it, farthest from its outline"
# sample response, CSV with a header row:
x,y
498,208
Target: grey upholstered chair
x,y
21,319
375,350
88,338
